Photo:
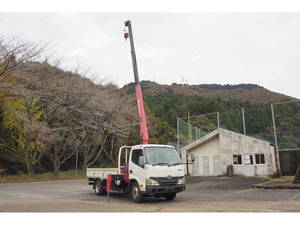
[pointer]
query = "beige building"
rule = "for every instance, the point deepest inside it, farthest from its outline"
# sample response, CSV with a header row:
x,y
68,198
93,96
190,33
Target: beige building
x,y
214,152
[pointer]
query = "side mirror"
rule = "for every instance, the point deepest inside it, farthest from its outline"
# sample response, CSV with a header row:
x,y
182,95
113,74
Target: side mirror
x,y
141,161
193,158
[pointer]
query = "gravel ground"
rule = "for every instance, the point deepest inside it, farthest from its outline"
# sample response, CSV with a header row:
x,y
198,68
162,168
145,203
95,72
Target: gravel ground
x,y
209,194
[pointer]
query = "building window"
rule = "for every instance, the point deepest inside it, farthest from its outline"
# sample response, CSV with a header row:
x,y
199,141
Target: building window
x,y
237,159
259,158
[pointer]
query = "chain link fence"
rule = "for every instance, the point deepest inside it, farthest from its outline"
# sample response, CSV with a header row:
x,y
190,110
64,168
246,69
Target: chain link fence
x,y
252,120
287,124
192,128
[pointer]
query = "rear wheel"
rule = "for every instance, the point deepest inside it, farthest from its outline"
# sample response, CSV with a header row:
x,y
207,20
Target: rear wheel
x,y
135,193
170,196
99,188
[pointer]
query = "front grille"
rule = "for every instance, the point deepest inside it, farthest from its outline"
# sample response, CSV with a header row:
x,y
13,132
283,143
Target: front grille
x,y
166,181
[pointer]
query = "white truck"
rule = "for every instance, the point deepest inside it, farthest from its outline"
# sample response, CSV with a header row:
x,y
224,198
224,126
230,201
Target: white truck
x,y
143,170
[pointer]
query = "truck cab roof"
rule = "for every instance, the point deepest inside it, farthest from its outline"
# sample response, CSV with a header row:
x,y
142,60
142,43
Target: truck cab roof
x,y
150,145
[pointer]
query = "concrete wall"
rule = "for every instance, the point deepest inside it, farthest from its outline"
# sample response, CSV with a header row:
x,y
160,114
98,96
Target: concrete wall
x,y
225,144
210,149
233,143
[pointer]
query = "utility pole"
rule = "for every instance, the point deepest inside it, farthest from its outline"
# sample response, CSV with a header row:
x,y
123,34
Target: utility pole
x,y
244,124
277,162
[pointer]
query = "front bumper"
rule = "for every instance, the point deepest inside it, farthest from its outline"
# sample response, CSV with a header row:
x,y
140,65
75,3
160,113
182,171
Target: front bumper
x,y
162,189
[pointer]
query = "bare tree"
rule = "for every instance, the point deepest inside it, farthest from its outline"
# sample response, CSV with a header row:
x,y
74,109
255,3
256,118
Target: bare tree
x,y
92,145
62,103
14,52
77,114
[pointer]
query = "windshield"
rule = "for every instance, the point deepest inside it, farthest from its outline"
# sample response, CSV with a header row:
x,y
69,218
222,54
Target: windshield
x,y
161,156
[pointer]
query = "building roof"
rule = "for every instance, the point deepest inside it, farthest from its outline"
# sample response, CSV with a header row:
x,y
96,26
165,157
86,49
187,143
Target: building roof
x,y
201,141
210,136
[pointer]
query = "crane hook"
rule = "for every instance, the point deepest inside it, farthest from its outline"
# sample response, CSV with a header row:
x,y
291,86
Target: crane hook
x,y
126,35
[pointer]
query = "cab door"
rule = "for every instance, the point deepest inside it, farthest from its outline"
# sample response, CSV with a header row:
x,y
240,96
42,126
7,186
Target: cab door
x,y
136,171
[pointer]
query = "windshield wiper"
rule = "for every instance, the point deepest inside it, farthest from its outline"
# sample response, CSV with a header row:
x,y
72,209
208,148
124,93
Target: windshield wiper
x,y
174,164
160,164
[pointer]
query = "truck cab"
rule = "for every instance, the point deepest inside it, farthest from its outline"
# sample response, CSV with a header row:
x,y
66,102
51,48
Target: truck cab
x,y
143,170
157,170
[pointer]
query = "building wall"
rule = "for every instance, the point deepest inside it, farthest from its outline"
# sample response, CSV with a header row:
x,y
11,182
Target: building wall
x,y
210,149
232,143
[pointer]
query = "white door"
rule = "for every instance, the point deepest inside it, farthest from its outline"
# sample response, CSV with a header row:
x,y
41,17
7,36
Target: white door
x,y
195,167
249,167
216,159
135,171
205,165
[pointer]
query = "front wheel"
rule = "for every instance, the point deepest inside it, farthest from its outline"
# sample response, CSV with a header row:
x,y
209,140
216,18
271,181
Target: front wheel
x,y
170,196
135,193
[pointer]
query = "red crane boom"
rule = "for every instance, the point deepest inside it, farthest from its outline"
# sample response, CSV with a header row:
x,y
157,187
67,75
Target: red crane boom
x,y
138,90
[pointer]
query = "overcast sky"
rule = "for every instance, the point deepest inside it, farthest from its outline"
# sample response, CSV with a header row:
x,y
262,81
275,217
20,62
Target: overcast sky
x,y
263,49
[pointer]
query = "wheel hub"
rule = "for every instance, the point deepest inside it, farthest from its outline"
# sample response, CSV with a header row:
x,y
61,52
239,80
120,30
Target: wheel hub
x,y
135,192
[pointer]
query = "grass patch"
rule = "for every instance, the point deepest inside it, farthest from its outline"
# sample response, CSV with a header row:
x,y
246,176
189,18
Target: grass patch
x,y
63,175
282,179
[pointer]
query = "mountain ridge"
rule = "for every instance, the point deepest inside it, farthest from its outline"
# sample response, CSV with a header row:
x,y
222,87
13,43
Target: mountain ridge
x,y
243,92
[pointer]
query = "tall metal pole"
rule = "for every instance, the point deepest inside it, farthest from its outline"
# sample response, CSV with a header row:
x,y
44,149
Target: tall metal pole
x,y
143,122
76,161
190,128
274,126
218,119
277,163
178,136
190,141
244,124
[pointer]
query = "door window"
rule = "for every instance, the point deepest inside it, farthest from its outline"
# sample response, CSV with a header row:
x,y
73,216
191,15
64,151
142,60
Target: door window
x,y
135,156
249,159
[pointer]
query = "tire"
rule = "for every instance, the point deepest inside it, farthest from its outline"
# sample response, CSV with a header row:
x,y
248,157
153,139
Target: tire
x,y
135,193
99,188
170,196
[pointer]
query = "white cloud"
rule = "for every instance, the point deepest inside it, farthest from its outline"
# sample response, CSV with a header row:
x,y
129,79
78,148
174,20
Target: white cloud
x,y
202,48
78,52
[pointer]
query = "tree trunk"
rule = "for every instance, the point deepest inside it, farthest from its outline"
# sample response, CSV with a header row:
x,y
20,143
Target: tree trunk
x,y
29,165
297,176
84,165
56,166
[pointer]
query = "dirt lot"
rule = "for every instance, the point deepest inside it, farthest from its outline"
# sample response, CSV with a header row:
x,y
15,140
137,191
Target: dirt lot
x,y
209,194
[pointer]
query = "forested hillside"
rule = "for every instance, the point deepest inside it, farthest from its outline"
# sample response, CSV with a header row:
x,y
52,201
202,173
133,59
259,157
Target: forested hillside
x,y
244,92
168,102
48,115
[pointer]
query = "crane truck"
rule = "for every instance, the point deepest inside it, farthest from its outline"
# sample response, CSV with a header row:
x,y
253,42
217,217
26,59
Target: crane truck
x,y
144,169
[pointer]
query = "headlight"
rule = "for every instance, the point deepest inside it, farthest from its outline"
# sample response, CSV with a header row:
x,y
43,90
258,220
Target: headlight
x,y
151,182
181,181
